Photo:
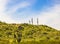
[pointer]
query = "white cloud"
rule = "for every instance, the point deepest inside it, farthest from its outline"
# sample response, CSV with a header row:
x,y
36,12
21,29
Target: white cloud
x,y
19,6
4,16
50,17
7,15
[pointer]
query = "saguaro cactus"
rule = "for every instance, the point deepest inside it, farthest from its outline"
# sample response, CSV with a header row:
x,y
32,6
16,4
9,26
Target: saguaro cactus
x,y
29,21
32,20
37,21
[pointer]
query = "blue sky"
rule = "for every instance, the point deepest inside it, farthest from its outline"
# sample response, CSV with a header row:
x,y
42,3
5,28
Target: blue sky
x,y
26,8
21,11
32,5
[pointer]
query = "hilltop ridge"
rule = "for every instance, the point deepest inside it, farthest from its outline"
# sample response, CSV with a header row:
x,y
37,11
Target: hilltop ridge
x,y
28,34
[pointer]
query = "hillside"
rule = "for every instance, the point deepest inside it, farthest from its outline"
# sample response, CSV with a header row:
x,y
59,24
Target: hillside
x,y
28,34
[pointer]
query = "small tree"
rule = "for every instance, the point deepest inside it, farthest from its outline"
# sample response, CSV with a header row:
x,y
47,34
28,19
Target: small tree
x,y
20,28
19,36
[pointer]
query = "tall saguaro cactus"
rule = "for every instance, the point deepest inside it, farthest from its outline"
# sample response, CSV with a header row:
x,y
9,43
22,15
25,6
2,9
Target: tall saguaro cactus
x,y
32,20
37,21
29,21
